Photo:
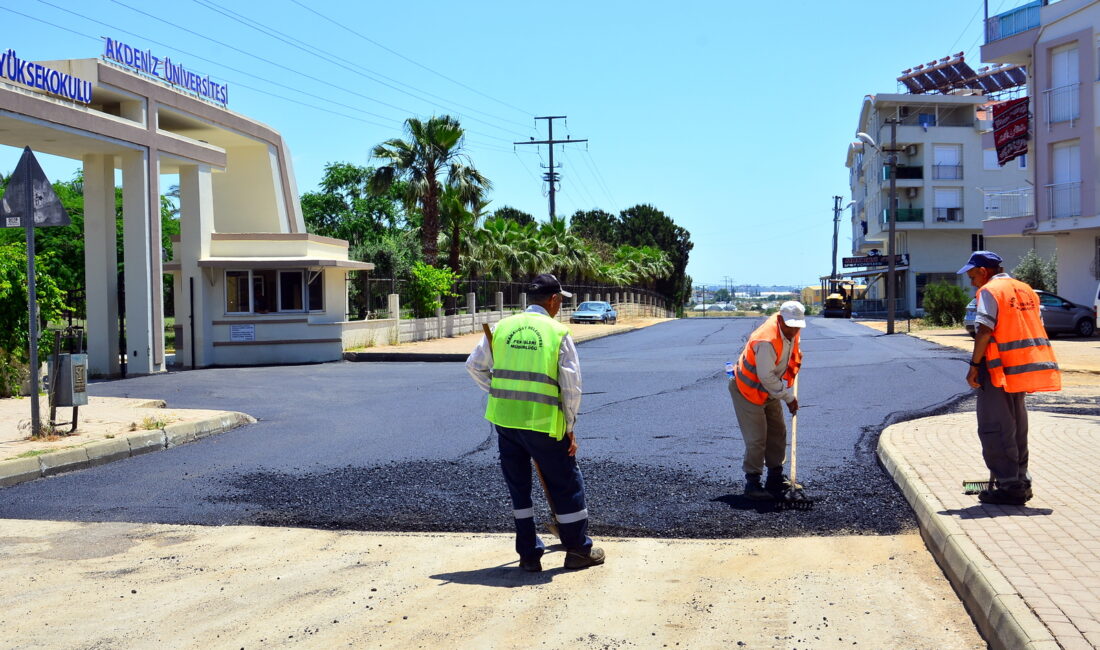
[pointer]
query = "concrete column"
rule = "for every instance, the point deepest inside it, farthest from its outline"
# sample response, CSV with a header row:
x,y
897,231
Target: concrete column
x,y
523,302
471,308
393,304
587,297
101,265
574,299
439,322
196,228
500,301
139,252
616,298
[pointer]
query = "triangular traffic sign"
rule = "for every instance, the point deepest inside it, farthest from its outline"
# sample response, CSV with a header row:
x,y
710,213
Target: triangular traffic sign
x,y
48,210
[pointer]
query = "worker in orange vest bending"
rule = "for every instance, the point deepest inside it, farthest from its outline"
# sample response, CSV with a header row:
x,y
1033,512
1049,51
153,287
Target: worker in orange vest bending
x,y
1012,356
763,378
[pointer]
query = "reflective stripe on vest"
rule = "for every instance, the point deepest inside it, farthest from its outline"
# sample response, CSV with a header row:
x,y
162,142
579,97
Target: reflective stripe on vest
x,y
1019,356
746,376
524,391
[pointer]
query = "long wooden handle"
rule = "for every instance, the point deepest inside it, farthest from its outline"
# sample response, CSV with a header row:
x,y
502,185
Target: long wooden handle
x,y
794,436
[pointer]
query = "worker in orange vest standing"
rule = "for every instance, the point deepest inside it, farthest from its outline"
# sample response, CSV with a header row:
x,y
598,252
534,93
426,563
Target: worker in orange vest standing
x,y
763,379
1012,357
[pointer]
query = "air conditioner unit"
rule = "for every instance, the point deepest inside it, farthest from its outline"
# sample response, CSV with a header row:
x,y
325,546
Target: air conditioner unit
x,y
912,192
911,150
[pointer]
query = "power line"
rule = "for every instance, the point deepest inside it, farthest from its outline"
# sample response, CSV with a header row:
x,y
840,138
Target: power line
x,y
551,176
398,54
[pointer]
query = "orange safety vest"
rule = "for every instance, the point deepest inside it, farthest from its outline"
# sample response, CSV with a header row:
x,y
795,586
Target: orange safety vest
x,y
1019,356
748,382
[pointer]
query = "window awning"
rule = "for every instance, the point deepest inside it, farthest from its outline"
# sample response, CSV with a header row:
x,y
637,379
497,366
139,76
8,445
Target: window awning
x,y
864,274
274,263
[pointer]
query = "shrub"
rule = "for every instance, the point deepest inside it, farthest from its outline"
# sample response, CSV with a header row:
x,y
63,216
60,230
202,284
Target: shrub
x,y
1041,274
945,304
14,326
428,287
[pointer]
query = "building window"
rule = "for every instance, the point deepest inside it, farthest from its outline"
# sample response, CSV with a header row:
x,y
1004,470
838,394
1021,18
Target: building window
x,y
1022,159
264,291
977,242
236,292
948,204
1063,96
1064,192
947,162
925,279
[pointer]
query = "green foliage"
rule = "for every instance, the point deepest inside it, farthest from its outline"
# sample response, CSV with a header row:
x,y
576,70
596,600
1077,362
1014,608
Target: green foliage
x,y
519,216
945,304
427,288
598,225
14,323
1041,274
722,295
345,208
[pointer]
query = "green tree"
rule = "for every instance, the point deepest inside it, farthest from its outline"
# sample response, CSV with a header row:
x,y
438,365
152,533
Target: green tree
x,y
519,216
433,148
597,224
1041,274
14,323
945,304
645,225
722,295
345,208
427,287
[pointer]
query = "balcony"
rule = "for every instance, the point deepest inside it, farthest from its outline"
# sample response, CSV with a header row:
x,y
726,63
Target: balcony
x,y
1063,104
1064,200
904,215
948,215
905,172
947,172
1013,22
1009,204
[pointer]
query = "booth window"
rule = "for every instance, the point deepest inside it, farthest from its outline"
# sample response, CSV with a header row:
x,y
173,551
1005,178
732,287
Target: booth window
x,y
264,291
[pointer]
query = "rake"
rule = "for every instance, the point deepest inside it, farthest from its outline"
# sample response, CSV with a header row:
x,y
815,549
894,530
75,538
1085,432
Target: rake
x,y
793,498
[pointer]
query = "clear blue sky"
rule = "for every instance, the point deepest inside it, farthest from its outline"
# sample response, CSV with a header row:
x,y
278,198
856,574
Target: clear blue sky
x,y
732,117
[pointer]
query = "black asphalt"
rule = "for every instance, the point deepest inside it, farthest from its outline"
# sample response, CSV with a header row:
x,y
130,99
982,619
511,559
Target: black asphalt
x,y
403,446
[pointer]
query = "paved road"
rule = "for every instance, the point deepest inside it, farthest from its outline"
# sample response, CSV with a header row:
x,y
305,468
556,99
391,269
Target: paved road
x,y
402,446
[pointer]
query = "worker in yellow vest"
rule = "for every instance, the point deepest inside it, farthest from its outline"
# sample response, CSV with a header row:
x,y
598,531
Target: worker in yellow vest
x,y
762,381
1012,356
533,377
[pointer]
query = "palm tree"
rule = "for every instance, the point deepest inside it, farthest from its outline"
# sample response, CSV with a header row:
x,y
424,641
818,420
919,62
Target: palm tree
x,y
432,148
461,204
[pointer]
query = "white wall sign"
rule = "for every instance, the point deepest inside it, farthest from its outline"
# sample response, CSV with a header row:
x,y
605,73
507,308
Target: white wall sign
x,y
243,332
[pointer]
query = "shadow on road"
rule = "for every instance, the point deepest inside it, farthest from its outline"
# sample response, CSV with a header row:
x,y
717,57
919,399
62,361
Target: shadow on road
x,y
741,502
982,511
503,575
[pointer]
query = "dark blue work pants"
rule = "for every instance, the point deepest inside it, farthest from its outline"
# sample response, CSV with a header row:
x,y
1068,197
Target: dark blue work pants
x,y
518,447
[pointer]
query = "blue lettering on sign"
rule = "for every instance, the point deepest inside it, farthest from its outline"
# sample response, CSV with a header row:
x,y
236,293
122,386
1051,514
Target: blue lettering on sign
x,y
39,76
164,68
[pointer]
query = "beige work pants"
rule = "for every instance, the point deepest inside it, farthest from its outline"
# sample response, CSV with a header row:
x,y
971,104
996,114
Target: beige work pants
x,y
764,430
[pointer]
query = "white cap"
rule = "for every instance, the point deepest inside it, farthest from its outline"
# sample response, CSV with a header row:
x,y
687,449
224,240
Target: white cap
x,y
793,314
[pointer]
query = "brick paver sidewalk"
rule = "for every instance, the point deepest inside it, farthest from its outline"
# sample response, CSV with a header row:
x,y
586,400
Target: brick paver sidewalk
x,y
1030,575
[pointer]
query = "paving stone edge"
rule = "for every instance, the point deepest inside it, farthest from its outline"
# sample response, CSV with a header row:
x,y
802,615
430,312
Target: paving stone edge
x,y
134,443
1003,617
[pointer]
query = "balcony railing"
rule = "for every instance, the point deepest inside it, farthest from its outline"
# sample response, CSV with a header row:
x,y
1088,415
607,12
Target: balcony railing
x,y
1064,200
1013,22
1007,204
905,172
943,215
1063,104
904,215
947,172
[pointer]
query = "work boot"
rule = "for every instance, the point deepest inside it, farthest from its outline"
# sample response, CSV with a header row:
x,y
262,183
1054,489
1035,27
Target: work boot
x,y
1004,496
778,482
582,560
754,490
534,565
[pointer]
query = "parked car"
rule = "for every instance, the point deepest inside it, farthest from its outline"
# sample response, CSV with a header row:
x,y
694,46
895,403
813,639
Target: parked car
x,y
1060,316
594,312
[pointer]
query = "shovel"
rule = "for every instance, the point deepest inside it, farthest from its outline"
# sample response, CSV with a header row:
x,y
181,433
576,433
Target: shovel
x,y
551,525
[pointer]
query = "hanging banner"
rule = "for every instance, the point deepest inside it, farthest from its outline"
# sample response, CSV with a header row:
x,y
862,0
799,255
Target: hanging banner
x,y
1010,129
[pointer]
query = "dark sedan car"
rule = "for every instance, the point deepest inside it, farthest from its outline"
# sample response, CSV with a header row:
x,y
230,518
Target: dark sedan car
x,y
593,311
1060,316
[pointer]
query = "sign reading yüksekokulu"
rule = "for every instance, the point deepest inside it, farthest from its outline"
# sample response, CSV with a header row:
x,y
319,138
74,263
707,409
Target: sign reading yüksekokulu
x,y
165,68
39,76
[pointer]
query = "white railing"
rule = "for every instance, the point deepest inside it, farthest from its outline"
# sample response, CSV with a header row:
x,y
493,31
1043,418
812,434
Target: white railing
x,y
1064,200
947,172
1006,204
947,214
1063,104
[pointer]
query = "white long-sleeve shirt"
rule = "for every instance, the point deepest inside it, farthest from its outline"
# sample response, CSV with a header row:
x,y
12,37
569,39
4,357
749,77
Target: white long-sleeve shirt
x,y
770,370
480,366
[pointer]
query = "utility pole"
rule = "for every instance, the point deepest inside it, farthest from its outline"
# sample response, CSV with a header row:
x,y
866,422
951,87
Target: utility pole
x,y
551,176
892,161
836,231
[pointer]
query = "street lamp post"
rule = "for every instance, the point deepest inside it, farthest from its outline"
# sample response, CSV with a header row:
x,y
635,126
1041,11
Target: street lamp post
x,y
892,163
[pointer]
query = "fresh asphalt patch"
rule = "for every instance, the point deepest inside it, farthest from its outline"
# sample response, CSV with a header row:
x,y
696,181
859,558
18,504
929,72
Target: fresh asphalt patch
x,y
623,501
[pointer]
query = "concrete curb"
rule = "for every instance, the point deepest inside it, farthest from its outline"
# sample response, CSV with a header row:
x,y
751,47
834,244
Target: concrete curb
x,y
1002,616
101,452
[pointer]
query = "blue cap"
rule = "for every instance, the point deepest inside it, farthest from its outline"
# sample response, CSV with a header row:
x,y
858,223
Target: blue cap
x,y
982,260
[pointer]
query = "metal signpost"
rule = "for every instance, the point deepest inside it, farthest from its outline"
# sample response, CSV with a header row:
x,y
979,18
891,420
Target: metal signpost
x,y
30,202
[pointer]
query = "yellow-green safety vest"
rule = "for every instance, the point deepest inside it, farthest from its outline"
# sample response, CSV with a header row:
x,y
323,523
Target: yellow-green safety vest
x,y
524,392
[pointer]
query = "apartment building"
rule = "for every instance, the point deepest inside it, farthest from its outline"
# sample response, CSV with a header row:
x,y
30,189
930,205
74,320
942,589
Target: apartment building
x,y
943,174
1059,44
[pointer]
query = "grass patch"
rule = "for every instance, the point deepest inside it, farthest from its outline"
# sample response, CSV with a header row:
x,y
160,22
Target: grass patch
x,y
150,423
34,452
